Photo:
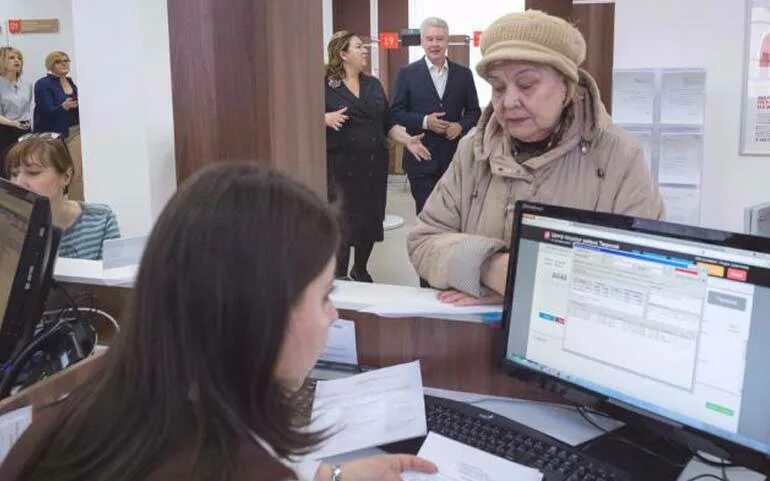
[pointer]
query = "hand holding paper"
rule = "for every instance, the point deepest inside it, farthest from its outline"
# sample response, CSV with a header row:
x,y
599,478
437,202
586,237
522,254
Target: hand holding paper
x,y
459,462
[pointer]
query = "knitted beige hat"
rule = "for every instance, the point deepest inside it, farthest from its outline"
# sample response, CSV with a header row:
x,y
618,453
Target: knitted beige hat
x,y
533,36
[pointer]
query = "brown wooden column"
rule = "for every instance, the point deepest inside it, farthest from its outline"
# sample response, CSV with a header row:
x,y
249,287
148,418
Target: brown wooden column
x,y
596,21
247,82
351,15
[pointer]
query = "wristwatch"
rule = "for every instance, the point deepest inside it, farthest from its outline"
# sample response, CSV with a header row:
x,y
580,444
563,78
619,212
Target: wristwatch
x,y
336,473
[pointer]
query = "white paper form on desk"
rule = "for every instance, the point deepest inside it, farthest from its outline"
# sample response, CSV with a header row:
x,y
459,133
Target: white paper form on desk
x,y
460,462
341,343
12,426
370,409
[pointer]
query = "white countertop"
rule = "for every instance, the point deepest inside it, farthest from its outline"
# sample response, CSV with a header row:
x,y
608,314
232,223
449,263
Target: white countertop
x,y
383,299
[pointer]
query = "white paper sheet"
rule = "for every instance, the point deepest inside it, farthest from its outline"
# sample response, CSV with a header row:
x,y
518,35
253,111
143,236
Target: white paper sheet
x,y
370,409
12,426
633,97
680,158
428,307
341,343
459,462
682,97
644,136
682,204
126,251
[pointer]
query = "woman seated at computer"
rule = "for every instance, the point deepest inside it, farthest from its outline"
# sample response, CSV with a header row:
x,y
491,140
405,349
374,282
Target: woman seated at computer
x,y
231,311
41,163
546,137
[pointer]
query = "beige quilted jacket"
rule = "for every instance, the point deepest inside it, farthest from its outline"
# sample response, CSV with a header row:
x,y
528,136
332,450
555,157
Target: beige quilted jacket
x,y
469,215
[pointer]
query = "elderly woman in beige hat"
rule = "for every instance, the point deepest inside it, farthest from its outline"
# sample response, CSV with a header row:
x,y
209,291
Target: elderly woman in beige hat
x,y
545,137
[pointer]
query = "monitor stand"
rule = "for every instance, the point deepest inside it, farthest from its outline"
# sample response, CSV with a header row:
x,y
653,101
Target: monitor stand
x,y
645,454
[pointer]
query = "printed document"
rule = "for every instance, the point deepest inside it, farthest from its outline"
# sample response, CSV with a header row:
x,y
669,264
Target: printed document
x,y
341,343
12,426
460,462
369,409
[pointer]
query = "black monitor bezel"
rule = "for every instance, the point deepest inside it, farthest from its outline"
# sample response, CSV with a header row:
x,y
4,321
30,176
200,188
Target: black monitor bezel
x,y
26,298
636,224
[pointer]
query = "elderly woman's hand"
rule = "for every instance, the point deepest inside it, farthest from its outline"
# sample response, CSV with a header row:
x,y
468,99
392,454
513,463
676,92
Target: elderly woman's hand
x,y
414,145
458,298
335,120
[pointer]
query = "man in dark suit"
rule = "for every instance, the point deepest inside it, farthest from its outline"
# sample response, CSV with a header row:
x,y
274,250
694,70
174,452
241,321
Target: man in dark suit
x,y
436,96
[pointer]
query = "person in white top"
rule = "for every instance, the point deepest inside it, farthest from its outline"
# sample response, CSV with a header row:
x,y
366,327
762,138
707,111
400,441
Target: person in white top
x,y
15,99
437,97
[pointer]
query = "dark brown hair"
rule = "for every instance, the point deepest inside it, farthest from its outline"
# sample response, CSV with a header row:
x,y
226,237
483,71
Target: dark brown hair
x,y
43,151
194,365
340,42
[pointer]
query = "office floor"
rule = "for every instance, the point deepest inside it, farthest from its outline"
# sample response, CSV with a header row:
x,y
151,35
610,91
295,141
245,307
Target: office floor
x,y
389,263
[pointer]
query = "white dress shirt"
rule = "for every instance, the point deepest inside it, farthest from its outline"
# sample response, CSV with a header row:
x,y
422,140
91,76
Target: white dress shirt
x,y
439,77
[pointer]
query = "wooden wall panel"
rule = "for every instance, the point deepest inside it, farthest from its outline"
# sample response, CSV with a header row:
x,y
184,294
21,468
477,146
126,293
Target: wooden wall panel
x,y
596,21
240,71
351,15
392,16
557,8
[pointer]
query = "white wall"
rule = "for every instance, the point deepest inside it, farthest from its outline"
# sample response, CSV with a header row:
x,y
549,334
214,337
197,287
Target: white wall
x,y
328,29
35,46
463,18
125,107
707,34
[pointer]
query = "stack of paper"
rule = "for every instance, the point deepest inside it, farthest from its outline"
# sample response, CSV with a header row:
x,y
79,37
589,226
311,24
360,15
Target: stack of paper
x,y
370,409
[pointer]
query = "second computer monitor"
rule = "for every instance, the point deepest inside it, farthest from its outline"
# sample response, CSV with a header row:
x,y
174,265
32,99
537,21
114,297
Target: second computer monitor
x,y
670,320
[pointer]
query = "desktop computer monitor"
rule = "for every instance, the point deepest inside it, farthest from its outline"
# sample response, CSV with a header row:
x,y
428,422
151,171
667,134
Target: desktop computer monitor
x,y
27,253
668,321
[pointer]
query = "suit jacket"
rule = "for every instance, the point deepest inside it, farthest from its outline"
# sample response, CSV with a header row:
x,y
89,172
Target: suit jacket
x,y
49,115
415,97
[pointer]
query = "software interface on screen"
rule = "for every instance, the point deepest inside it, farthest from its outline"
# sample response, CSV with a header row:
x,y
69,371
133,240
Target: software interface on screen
x,y
14,221
679,328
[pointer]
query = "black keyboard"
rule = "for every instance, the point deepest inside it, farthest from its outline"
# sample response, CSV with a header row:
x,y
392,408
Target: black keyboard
x,y
516,442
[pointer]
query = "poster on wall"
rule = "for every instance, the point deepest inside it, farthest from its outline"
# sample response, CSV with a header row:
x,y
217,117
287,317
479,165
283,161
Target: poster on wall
x,y
755,121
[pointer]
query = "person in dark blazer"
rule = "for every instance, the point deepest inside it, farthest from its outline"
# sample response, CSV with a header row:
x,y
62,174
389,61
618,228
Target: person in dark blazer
x,y
438,97
358,126
56,97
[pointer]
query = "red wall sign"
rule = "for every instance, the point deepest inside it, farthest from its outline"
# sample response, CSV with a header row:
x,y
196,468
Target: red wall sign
x,y
14,26
388,40
476,38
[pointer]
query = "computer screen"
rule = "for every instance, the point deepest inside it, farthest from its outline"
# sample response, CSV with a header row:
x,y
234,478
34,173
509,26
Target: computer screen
x,y
25,254
671,320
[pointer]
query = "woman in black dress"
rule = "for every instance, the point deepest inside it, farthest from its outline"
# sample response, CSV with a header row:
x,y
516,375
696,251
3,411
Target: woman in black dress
x,y
358,126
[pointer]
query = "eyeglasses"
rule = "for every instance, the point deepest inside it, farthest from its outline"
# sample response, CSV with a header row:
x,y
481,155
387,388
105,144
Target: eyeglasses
x,y
61,61
40,135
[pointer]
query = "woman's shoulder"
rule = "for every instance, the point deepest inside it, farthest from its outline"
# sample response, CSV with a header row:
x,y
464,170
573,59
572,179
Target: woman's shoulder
x,y
96,208
97,215
44,81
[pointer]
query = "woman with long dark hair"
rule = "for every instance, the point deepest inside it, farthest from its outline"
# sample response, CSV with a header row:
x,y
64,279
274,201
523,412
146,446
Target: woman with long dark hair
x,y
230,312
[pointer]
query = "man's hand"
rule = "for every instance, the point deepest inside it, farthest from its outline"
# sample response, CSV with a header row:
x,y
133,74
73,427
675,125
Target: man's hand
x,y
454,130
435,124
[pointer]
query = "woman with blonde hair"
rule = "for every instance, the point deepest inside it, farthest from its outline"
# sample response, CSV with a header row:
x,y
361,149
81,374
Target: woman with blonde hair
x,y
56,110
56,97
358,126
15,98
